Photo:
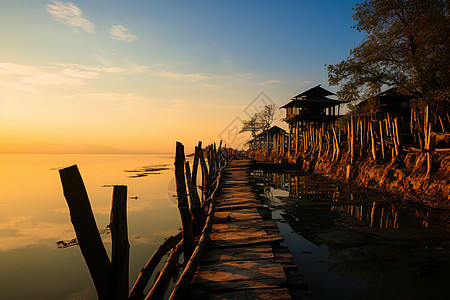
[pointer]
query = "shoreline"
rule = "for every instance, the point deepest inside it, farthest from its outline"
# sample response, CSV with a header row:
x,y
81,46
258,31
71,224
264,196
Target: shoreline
x,y
405,176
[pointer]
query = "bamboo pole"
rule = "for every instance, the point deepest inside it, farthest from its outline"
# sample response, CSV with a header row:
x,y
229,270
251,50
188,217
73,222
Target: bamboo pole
x,y
160,287
372,137
352,140
381,140
361,137
442,124
337,144
397,136
120,248
89,240
137,292
183,206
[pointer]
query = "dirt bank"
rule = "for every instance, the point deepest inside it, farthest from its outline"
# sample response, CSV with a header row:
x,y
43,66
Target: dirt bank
x,y
404,175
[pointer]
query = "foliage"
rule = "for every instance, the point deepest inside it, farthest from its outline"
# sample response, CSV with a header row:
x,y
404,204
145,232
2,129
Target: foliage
x,y
260,121
406,45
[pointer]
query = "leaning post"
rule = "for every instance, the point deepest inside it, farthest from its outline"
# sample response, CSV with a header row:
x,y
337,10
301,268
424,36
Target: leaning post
x,y
89,240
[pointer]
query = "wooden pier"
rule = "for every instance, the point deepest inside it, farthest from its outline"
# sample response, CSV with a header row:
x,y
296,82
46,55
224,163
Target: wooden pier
x,y
244,259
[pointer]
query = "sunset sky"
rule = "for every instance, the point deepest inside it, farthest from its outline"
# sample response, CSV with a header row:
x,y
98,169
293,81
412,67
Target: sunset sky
x,y
138,75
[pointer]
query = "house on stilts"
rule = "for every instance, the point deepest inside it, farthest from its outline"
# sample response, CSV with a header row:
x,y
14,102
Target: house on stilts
x,y
308,112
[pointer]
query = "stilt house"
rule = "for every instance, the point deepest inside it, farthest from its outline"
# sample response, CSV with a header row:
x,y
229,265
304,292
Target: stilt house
x,y
310,110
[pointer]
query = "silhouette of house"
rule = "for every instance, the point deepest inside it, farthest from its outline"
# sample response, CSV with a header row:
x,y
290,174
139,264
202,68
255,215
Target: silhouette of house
x,y
393,101
271,140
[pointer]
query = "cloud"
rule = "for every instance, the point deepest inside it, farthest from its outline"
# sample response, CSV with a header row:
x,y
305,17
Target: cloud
x,y
69,14
25,77
183,77
128,98
22,76
121,33
267,82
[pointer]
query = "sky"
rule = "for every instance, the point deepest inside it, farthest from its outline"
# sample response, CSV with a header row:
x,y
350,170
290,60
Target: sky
x,y
137,76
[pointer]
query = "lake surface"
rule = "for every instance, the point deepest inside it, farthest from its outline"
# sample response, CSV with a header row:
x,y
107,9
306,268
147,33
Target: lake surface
x,y
34,217
355,243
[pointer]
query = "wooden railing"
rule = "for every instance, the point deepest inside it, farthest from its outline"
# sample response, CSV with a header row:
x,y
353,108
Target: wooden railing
x,y
111,278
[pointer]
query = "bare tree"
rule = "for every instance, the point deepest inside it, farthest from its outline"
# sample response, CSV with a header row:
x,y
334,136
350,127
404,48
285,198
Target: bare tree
x,y
260,121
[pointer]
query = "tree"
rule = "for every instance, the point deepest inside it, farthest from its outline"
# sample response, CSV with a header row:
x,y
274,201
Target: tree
x,y
407,45
260,121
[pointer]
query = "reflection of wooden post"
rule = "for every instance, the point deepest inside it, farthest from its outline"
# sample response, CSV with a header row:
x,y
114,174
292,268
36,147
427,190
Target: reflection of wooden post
x,y
372,214
89,240
183,206
120,248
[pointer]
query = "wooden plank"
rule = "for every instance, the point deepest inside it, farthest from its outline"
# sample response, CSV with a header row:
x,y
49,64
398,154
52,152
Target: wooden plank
x,y
255,252
219,242
263,294
249,213
231,275
237,206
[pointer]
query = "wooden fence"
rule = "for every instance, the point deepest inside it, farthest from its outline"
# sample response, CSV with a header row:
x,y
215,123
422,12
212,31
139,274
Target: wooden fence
x,y
111,277
381,140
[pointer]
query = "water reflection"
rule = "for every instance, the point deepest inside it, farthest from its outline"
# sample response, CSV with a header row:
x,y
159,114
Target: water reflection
x,y
355,243
34,217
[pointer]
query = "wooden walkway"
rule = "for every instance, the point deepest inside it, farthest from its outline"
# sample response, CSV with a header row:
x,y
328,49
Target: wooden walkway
x,y
244,259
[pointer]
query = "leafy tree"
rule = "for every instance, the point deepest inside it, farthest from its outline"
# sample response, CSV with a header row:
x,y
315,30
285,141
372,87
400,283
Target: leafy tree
x,y
407,44
260,121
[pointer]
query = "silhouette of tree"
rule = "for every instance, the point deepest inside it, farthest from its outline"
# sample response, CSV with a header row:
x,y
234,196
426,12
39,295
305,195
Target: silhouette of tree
x,y
406,45
260,121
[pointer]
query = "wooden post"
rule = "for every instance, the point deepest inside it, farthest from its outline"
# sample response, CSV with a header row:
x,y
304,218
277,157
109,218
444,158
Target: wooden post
x,y
193,196
297,137
183,205
205,172
195,164
89,240
120,248
361,138
337,144
372,137
381,139
352,140
397,136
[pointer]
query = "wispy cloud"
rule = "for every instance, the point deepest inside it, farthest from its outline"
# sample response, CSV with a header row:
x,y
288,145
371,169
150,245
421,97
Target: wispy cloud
x,y
25,77
128,98
122,33
181,76
69,14
267,82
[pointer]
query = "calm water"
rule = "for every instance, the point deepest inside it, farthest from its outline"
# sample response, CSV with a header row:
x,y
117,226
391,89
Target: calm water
x,y
355,243
34,216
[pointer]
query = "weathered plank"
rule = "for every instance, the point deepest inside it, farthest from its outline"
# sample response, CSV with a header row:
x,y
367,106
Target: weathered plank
x,y
244,259
256,252
230,275
263,294
245,241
